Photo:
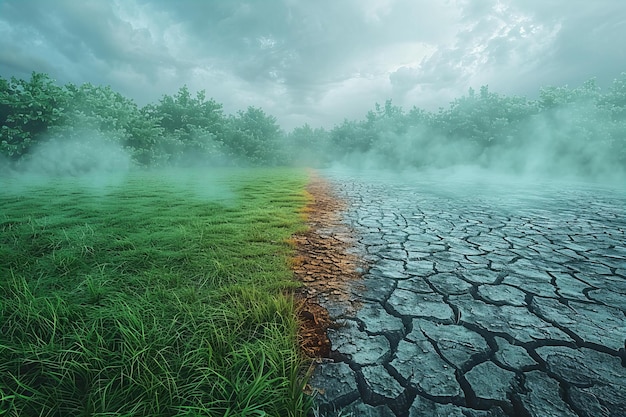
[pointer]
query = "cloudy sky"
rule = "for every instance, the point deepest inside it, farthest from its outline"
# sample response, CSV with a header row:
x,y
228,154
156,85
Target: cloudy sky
x,y
315,61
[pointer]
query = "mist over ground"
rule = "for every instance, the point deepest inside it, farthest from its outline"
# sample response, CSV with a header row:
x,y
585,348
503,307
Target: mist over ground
x,y
576,134
555,146
85,155
98,135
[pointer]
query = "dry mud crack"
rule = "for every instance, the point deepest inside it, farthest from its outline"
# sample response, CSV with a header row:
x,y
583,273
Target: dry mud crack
x,y
476,301
326,266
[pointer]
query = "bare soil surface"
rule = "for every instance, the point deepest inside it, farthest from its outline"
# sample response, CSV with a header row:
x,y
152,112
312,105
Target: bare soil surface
x,y
325,265
480,299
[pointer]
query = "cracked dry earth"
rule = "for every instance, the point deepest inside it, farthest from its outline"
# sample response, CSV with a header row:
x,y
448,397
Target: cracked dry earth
x,y
326,264
491,300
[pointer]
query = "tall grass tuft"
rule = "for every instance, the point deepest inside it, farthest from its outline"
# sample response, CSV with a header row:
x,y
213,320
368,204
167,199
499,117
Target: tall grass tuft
x,y
157,298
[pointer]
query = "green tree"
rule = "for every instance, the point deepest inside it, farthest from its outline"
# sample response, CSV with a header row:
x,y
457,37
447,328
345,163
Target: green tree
x,y
349,137
27,110
308,146
614,102
484,119
143,136
193,126
255,137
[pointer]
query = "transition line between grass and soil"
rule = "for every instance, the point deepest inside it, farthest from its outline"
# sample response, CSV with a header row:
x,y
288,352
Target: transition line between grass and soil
x,y
324,264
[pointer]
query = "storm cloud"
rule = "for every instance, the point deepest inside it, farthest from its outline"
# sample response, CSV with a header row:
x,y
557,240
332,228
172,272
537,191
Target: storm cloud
x,y
315,62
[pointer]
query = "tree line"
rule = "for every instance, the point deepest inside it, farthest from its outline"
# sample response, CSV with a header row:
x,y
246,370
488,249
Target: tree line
x,y
582,128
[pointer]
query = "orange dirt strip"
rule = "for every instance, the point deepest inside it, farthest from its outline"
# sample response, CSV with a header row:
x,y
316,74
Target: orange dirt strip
x,y
324,264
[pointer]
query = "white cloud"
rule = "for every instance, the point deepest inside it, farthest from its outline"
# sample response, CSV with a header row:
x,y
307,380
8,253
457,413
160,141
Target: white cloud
x,y
315,61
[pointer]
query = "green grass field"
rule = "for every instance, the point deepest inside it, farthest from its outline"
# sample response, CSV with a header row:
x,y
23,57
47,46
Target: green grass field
x,y
163,294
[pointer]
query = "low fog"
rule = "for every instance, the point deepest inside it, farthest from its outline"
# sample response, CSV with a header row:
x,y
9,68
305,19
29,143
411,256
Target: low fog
x,y
493,138
90,154
89,158
565,144
506,88
97,137
95,164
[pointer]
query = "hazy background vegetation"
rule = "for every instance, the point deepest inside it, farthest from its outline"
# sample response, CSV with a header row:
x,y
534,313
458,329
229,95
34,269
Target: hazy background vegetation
x,y
69,129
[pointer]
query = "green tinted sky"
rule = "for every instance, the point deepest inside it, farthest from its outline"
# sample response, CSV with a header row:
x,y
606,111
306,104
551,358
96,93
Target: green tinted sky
x,y
315,61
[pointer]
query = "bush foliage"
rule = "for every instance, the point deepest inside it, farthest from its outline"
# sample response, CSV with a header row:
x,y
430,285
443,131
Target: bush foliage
x,y
579,128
